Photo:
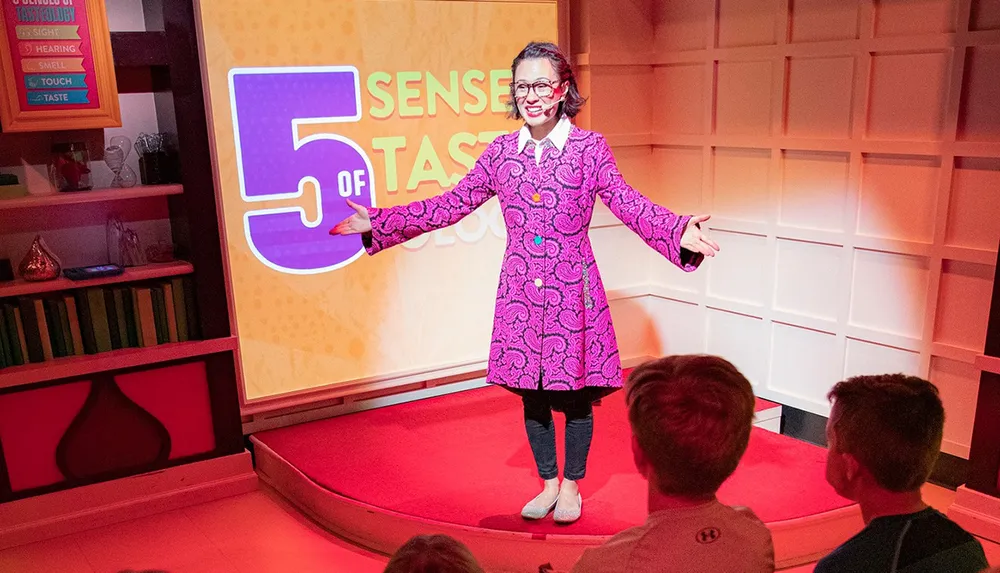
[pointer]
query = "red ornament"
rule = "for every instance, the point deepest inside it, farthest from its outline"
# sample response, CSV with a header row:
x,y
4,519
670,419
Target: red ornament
x,y
39,264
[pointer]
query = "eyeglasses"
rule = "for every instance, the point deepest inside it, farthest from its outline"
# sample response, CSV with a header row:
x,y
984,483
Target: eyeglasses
x,y
542,89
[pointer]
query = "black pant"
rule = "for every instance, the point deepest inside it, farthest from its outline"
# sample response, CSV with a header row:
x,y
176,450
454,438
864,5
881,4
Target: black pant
x,y
538,406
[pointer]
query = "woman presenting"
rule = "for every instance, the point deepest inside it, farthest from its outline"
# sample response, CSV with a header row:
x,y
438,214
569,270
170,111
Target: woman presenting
x,y
553,342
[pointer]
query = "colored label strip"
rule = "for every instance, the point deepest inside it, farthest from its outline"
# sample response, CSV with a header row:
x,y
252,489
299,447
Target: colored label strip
x,y
55,81
64,97
36,65
48,32
49,49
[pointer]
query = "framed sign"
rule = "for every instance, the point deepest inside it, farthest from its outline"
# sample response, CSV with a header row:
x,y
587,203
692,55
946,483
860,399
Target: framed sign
x,y
58,71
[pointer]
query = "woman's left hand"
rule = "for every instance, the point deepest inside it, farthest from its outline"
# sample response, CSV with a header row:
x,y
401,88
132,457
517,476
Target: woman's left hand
x,y
696,241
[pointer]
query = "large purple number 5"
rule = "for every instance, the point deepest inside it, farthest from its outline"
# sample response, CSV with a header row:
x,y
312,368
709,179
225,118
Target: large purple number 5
x,y
269,105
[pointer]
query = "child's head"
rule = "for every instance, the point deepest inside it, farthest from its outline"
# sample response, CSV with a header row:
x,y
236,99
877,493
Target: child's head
x,y
433,554
691,418
884,431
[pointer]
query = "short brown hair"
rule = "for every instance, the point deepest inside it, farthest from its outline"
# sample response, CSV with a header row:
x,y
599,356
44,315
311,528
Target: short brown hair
x,y
692,417
433,554
892,424
560,64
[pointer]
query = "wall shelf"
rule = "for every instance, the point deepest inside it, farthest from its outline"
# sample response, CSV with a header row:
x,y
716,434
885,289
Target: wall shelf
x,y
988,363
163,63
92,196
151,271
72,366
138,49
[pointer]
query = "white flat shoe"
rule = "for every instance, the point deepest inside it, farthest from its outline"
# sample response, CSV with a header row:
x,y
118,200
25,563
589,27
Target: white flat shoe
x,y
534,509
568,515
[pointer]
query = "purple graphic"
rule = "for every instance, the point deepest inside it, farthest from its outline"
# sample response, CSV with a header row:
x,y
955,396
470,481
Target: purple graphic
x,y
269,106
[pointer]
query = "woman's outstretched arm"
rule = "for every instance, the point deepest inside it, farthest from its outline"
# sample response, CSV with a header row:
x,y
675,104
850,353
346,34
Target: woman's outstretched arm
x,y
381,228
676,237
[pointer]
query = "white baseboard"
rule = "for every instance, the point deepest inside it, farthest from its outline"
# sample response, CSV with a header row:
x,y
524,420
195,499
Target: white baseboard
x,y
87,507
977,513
769,420
262,422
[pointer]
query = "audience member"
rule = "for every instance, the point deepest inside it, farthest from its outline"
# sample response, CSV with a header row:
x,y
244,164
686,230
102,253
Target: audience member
x,y
691,418
884,437
433,554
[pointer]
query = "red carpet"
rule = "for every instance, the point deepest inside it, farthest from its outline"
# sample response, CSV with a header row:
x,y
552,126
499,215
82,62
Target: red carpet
x,y
464,459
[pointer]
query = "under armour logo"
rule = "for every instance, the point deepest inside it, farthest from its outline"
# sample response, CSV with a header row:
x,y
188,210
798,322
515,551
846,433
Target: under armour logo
x,y
708,535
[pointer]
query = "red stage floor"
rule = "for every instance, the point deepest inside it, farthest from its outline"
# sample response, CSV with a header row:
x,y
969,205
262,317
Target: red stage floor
x,y
463,459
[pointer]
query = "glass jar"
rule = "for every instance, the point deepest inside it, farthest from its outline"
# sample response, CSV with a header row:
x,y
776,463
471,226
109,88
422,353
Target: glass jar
x,y
69,168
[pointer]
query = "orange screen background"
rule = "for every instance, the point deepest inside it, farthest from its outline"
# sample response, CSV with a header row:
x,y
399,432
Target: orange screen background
x,y
425,305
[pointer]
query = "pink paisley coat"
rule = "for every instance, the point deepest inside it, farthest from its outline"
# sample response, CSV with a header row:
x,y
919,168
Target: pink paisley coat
x,y
552,321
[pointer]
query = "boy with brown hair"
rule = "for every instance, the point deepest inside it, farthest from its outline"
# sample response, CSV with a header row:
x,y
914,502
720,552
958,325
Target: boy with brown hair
x,y
884,436
433,554
691,418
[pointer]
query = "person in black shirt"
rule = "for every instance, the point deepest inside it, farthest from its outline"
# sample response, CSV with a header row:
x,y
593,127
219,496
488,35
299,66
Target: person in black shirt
x,y
884,436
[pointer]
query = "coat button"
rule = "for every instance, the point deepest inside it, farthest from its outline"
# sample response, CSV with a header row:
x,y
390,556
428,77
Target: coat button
x,y
536,197
538,283
538,240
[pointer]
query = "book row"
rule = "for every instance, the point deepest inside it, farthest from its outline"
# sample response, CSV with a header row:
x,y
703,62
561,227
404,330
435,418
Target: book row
x,y
99,319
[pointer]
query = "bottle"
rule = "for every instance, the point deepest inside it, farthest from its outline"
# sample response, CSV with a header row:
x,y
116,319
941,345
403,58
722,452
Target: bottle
x,y
69,168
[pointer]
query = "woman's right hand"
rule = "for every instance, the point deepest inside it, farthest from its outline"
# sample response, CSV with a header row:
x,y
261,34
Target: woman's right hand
x,y
359,222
